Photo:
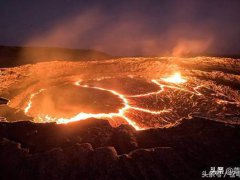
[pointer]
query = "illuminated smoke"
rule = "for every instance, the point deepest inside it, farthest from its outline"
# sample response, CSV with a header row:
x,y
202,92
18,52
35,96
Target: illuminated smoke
x,y
126,36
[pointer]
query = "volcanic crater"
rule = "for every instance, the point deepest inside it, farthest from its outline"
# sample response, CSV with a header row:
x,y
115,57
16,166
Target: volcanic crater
x,y
172,110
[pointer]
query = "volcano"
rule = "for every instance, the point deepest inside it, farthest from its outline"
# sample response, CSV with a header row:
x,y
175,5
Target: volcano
x,y
131,118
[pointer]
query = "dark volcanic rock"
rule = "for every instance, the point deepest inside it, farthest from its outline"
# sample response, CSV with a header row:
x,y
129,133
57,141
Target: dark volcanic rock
x,y
11,114
156,163
93,149
13,56
124,138
3,100
12,157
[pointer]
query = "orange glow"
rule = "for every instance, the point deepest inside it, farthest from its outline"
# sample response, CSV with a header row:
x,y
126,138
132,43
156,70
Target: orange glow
x,y
82,115
121,114
175,78
29,104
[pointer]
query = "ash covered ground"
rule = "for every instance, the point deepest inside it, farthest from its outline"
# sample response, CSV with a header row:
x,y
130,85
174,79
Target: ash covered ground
x,y
120,118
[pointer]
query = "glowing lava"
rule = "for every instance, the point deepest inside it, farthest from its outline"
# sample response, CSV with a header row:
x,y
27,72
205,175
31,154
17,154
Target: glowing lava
x,y
175,78
82,115
163,107
29,104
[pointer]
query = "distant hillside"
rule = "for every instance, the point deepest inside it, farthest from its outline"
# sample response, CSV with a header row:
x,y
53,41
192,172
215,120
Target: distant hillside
x,y
14,56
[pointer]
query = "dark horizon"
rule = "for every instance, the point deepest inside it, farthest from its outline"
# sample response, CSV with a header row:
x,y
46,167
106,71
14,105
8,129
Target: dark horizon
x,y
126,28
234,56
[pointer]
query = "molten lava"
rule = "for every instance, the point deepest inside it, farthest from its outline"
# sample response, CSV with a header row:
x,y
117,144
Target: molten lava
x,y
174,98
83,115
175,78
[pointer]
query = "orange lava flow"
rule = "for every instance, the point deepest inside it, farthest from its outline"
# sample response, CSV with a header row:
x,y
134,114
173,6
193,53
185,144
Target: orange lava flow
x,y
29,104
176,78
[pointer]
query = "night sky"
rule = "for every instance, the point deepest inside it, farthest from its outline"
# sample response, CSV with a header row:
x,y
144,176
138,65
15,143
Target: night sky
x,y
127,28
